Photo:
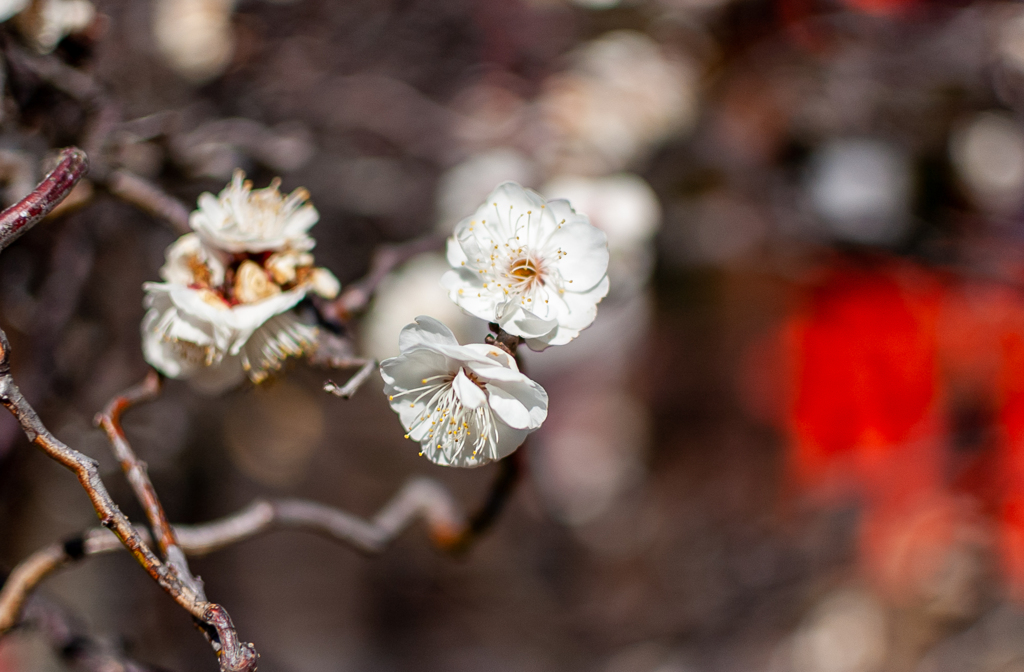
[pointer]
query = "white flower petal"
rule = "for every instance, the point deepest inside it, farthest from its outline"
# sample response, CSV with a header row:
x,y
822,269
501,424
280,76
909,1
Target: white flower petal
x,y
425,331
469,394
190,262
585,253
242,219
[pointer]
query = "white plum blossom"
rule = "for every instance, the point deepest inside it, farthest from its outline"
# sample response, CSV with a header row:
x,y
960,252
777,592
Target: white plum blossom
x,y
538,269
224,313
466,405
241,219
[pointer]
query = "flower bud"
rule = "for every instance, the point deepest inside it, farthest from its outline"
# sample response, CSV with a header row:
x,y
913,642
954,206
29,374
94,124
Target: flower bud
x,y
252,283
324,283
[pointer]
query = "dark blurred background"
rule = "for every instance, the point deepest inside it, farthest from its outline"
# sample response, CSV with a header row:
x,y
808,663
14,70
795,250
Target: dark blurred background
x,y
793,439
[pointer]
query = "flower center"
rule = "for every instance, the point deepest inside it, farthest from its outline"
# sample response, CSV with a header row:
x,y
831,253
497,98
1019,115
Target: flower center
x,y
524,269
446,424
475,378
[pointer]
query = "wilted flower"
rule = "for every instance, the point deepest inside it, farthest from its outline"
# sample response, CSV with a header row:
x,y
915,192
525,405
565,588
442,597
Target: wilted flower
x,y
467,405
241,219
537,269
222,313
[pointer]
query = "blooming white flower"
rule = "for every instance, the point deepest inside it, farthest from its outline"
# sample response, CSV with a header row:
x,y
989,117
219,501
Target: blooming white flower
x,y
466,405
241,219
538,269
221,313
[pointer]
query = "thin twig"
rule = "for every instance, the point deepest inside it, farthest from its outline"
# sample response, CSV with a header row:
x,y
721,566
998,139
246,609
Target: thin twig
x,y
138,477
357,295
26,213
348,389
150,198
419,498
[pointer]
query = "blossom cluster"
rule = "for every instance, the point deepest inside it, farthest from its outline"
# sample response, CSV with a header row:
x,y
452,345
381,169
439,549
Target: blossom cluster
x,y
224,310
534,270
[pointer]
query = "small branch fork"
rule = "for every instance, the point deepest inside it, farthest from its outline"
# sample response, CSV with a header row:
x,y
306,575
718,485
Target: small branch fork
x,y
357,295
135,470
14,221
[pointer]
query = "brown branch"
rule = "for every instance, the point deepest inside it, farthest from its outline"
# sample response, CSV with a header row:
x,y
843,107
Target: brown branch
x,y
504,484
423,498
138,477
233,655
26,213
419,498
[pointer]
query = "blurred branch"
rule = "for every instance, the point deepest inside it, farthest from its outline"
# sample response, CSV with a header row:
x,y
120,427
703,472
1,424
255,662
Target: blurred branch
x,y
502,487
135,471
76,83
150,198
26,213
419,498
73,644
